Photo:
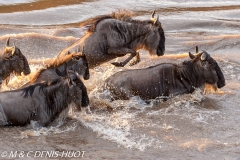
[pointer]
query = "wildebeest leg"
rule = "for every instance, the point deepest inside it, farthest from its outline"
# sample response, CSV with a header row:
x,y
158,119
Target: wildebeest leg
x,y
135,60
119,88
42,116
126,92
3,118
122,52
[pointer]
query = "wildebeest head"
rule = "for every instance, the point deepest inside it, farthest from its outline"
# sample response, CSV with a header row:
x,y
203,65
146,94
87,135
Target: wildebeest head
x,y
17,60
211,71
75,61
80,65
156,38
77,91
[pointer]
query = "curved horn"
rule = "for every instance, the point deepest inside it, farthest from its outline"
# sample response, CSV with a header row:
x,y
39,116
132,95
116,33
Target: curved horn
x,y
14,48
7,42
196,49
153,13
155,20
191,55
204,55
83,51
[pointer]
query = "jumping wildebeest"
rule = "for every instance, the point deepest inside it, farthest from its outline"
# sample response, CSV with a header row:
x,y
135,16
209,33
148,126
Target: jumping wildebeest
x,y
166,79
112,36
55,68
42,102
12,61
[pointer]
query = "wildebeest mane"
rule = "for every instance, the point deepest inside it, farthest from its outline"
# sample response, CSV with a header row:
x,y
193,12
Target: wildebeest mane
x,y
37,74
28,91
191,73
187,72
122,15
54,102
58,61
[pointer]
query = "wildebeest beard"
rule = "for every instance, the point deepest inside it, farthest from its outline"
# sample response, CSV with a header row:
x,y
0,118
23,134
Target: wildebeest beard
x,y
221,80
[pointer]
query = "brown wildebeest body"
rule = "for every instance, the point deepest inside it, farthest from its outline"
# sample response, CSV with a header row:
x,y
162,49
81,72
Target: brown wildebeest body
x,y
112,36
166,79
12,61
42,102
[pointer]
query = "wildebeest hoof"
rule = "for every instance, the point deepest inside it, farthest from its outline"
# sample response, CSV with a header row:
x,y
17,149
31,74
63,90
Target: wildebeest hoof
x,y
118,64
134,62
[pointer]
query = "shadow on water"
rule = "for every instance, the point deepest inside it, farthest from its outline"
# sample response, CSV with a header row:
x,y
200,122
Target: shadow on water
x,y
37,5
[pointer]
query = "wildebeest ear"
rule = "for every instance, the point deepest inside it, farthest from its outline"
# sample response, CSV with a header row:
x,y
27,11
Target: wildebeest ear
x,y
204,56
83,54
191,55
7,42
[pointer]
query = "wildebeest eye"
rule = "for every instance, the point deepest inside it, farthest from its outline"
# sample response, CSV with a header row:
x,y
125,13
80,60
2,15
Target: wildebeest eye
x,y
76,58
185,62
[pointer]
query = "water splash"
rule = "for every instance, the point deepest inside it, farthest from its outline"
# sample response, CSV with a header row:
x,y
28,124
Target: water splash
x,y
36,131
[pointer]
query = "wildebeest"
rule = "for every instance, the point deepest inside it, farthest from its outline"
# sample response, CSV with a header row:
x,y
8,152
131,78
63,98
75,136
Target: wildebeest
x,y
56,69
42,102
12,61
166,79
115,35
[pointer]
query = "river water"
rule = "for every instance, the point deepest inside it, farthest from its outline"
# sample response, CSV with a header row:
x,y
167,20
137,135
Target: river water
x,y
194,126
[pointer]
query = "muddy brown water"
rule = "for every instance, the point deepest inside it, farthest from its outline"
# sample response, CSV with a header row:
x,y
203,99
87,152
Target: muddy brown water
x,y
193,126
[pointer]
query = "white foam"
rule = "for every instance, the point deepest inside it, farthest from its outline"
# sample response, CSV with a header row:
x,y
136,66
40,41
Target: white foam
x,y
18,81
120,126
46,130
117,128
